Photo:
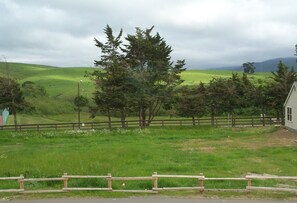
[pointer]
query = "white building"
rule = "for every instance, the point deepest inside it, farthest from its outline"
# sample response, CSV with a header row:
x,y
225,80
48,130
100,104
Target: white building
x,y
291,108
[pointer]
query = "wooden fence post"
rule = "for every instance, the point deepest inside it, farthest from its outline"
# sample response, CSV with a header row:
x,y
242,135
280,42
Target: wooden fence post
x,y
201,181
155,180
249,184
109,181
65,181
21,181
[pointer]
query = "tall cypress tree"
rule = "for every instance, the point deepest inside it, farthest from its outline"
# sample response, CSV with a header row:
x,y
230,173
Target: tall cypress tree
x,y
112,82
149,59
283,79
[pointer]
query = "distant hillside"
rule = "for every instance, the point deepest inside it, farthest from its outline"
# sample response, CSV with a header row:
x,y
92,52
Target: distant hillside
x,y
58,82
61,85
267,66
62,82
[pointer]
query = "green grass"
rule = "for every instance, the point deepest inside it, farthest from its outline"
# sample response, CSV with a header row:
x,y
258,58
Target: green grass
x,y
196,76
58,82
62,82
216,152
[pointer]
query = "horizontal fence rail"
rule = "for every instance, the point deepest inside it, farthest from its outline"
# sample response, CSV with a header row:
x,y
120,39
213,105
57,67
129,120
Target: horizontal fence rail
x,y
200,183
219,121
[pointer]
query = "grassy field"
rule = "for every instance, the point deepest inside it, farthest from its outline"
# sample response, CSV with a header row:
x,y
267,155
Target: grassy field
x,y
216,152
61,85
196,76
62,82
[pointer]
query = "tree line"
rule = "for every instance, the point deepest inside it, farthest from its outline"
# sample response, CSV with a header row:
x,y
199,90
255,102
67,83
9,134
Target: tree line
x,y
139,78
236,95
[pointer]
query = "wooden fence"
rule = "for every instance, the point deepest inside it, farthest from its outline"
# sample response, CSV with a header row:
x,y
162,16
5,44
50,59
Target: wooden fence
x,y
220,121
155,187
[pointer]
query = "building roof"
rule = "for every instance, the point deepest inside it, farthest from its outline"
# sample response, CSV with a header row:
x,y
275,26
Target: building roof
x,y
294,86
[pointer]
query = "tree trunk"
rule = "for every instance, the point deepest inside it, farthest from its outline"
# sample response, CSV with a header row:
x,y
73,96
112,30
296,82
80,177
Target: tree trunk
x,y
193,120
232,120
109,119
139,116
212,114
153,111
123,118
15,119
143,117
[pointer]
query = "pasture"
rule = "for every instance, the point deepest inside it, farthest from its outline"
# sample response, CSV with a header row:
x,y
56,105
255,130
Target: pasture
x,y
62,82
61,85
215,152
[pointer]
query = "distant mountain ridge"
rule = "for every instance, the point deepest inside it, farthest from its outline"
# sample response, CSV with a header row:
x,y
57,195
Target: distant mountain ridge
x,y
268,65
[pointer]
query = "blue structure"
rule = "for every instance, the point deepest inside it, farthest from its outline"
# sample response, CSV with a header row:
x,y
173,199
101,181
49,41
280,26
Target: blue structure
x,y
4,113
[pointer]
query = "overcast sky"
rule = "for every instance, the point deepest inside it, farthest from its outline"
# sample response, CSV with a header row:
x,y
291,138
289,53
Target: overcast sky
x,y
207,33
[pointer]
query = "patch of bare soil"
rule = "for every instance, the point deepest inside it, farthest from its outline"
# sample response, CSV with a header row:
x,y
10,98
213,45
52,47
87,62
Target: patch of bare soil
x,y
285,134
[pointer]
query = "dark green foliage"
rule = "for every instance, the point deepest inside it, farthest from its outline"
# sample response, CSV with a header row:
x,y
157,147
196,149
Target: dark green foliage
x,y
153,71
219,96
260,97
12,97
248,67
278,90
228,95
190,101
138,78
81,101
113,84
32,89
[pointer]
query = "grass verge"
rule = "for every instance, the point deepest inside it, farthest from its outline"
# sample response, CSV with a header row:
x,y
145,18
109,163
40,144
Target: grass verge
x,y
216,152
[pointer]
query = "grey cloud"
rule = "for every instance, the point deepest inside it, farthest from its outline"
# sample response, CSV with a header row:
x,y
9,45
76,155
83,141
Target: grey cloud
x,y
207,33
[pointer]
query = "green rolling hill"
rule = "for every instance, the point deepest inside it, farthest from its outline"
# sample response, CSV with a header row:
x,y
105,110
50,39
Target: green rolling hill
x,y
61,87
63,81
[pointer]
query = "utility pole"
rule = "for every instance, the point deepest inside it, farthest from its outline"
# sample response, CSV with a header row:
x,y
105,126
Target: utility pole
x,y
78,106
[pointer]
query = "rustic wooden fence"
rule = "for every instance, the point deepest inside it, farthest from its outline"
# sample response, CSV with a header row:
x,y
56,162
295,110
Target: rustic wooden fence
x,y
220,121
200,184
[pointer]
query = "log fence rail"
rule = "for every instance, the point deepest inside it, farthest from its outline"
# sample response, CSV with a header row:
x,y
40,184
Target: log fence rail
x,y
200,186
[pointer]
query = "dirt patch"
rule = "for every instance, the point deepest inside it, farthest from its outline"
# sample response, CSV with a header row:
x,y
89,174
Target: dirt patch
x,y
285,134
